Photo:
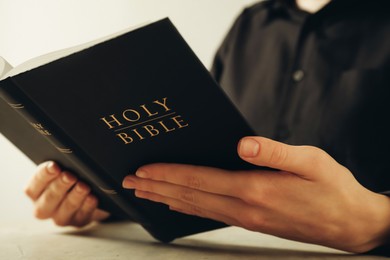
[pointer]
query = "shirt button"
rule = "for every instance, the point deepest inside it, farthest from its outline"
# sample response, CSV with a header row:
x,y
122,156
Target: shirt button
x,y
298,75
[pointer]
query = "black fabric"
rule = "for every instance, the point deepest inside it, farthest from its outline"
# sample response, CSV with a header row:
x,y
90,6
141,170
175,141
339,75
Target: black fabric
x,y
380,251
316,79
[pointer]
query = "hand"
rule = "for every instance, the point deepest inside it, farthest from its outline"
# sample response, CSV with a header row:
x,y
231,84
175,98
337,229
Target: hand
x,y
61,197
312,198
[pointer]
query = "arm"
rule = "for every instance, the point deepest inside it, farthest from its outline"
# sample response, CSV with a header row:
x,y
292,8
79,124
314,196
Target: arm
x,y
60,196
312,198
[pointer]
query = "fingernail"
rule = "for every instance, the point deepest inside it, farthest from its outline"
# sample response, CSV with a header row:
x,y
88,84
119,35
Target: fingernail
x,y
81,188
128,182
52,168
249,147
67,178
141,174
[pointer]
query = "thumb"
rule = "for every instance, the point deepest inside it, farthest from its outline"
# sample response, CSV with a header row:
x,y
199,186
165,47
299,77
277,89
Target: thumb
x,y
300,160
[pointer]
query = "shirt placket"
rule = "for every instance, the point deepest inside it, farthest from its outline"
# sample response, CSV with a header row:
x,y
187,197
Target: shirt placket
x,y
294,84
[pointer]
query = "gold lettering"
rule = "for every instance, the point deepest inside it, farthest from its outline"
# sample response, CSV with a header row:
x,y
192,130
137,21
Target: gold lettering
x,y
180,122
138,116
143,122
147,111
163,104
112,121
40,128
139,135
125,138
165,127
151,130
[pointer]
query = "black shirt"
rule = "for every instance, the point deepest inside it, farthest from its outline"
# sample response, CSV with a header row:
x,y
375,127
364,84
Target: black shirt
x,y
318,79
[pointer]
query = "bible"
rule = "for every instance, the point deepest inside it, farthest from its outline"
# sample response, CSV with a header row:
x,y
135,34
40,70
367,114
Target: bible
x,y
103,109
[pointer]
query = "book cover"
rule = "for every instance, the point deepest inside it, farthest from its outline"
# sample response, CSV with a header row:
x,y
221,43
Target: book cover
x,y
138,98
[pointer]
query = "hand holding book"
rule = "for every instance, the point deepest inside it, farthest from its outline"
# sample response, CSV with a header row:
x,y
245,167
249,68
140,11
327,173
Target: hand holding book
x,y
59,196
309,200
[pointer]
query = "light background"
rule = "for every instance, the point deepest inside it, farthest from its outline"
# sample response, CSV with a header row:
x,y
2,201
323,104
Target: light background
x,y
29,28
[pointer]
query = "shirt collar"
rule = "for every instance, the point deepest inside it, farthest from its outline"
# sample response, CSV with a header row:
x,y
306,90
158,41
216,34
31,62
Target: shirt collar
x,y
287,9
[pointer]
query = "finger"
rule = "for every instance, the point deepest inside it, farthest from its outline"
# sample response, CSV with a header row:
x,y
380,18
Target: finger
x,y
71,204
53,195
218,203
89,212
248,217
300,160
100,215
186,208
85,214
208,179
221,205
46,173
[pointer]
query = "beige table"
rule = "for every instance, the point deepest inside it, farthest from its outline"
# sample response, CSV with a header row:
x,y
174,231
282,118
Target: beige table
x,y
42,240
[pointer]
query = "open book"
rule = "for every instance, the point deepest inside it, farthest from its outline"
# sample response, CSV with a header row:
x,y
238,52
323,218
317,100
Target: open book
x,y
6,70
103,109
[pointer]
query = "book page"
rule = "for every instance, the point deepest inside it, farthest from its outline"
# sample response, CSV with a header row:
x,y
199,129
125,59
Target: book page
x,y
6,70
5,67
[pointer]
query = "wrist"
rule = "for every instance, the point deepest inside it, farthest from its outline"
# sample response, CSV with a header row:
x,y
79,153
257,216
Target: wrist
x,y
383,235
375,221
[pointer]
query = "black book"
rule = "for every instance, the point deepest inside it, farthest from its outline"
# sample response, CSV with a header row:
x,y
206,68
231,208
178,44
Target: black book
x,y
132,99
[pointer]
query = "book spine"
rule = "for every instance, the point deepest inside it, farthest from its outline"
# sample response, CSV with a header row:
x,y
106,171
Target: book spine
x,y
19,102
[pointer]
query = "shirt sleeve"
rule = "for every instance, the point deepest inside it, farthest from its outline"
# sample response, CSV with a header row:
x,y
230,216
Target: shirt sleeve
x,y
220,56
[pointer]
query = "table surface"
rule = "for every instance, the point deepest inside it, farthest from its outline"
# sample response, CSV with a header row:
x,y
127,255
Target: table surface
x,y
42,240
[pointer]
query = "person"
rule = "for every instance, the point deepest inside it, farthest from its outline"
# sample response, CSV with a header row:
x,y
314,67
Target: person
x,y
311,77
